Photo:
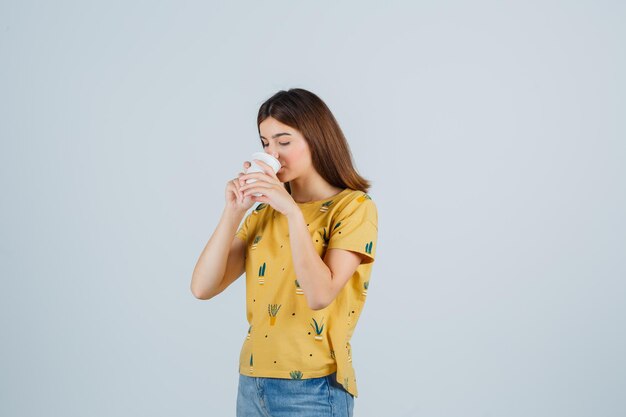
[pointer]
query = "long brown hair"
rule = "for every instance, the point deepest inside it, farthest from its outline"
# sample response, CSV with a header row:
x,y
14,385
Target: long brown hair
x,y
330,153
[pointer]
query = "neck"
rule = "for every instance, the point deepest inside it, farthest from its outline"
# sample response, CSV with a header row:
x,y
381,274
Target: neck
x,y
304,190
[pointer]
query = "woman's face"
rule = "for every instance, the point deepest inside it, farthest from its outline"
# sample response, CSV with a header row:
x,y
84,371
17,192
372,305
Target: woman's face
x,y
288,146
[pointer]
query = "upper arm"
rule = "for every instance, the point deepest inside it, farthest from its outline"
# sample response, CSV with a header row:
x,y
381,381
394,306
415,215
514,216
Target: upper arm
x,y
342,265
236,264
352,242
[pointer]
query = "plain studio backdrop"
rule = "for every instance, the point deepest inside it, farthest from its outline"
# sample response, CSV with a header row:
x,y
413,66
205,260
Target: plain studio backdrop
x,y
494,134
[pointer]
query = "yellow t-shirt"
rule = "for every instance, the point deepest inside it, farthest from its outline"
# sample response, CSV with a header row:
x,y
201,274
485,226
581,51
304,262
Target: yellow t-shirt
x,y
286,338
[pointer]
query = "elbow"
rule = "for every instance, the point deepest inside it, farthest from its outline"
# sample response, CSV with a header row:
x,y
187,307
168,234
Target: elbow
x,y
199,294
317,307
321,300
317,304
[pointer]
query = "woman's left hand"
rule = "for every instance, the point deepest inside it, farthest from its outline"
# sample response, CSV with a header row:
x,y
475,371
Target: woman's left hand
x,y
267,183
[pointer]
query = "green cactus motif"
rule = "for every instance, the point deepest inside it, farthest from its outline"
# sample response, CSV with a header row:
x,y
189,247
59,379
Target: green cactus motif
x,y
255,242
272,310
366,285
368,247
319,328
326,237
260,207
299,290
325,206
295,374
251,368
262,274
336,226
249,329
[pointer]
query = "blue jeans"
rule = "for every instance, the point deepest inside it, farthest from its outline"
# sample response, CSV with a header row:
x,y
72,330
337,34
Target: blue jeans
x,y
278,397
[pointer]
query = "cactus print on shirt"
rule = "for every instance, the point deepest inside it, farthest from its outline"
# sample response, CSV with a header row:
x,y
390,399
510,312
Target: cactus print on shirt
x,y
285,338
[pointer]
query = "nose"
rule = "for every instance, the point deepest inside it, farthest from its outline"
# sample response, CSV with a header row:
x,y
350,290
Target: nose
x,y
271,152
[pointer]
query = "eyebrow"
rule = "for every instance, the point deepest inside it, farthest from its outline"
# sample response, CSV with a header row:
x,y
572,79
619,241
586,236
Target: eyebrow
x,y
277,135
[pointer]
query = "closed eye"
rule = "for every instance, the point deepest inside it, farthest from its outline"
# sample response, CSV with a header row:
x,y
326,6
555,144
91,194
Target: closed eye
x,y
266,144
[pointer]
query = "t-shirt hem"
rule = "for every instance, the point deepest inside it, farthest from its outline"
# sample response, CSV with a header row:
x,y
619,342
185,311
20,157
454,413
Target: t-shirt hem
x,y
369,258
272,373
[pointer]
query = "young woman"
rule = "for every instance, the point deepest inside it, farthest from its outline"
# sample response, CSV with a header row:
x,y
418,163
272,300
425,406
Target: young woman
x,y
307,250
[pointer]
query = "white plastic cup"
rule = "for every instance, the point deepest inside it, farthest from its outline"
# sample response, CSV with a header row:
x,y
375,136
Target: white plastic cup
x,y
268,159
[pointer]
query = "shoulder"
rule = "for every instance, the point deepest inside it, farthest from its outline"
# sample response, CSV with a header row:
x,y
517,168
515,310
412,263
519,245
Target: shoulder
x,y
357,203
358,198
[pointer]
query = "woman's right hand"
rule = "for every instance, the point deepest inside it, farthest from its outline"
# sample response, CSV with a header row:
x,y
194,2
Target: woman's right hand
x,y
234,200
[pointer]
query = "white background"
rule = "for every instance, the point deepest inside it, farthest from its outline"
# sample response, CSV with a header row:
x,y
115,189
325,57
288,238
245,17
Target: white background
x,y
494,135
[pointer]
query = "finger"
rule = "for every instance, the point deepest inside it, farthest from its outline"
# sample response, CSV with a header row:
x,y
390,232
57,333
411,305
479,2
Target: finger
x,y
238,192
267,169
251,188
261,199
263,189
255,185
264,180
259,176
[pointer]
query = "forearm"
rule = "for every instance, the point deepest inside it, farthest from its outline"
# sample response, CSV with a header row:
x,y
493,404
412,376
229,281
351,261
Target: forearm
x,y
211,266
311,272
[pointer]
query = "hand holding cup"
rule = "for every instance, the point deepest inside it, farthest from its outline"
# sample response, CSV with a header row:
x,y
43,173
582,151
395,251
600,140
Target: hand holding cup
x,y
235,199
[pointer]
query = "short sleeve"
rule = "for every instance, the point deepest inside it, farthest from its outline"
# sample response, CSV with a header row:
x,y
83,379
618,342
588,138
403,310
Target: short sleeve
x,y
356,228
242,233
